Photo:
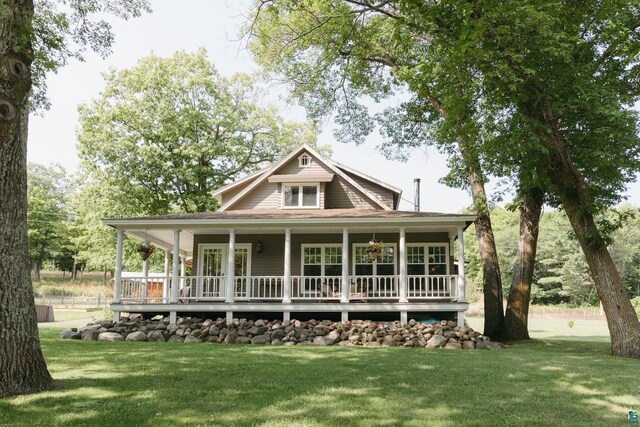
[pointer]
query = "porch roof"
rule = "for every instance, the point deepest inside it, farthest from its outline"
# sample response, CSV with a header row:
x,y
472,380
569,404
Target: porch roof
x,y
159,229
298,215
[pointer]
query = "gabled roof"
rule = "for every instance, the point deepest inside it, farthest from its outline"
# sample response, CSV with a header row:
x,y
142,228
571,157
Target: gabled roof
x,y
271,170
383,184
218,193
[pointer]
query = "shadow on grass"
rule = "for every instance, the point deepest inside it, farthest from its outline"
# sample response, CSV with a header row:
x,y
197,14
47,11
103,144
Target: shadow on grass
x,y
533,383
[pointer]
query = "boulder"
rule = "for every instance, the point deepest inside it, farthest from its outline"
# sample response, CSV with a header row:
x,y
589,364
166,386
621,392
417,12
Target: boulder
x,y
90,334
453,346
155,336
388,341
320,330
372,344
492,345
468,345
70,335
231,337
334,336
191,338
243,340
257,330
278,334
436,341
261,339
321,340
175,338
110,336
259,323
89,328
481,345
136,336
277,342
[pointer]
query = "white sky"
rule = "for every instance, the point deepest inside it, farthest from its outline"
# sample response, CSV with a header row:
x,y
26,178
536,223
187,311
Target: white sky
x,y
214,25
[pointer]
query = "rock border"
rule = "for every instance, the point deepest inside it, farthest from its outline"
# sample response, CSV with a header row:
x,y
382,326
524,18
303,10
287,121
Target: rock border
x,y
444,334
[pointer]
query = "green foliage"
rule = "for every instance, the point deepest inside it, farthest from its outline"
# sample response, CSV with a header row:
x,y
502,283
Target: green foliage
x,y
48,215
635,302
169,131
561,273
64,30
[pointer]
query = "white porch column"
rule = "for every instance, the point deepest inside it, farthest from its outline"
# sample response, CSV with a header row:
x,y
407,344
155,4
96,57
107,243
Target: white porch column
x,y
403,267
117,285
145,275
183,271
286,297
165,283
344,298
462,297
174,267
231,279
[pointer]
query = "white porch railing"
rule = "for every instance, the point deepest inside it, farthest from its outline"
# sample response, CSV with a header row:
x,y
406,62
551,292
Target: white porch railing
x,y
431,287
373,287
315,287
259,287
271,288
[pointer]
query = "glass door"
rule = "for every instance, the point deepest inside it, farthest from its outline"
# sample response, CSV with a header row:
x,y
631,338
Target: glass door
x,y
212,269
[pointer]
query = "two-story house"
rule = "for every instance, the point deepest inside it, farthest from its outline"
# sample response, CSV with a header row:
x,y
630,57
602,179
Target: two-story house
x,y
304,237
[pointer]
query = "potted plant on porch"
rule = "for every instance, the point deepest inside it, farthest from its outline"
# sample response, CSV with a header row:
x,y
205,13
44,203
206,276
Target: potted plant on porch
x,y
145,251
375,249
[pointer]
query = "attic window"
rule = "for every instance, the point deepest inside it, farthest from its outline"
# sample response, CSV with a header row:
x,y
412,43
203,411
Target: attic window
x,y
304,161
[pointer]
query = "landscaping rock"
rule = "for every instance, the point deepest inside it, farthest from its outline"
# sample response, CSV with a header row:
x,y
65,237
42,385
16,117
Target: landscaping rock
x,y
90,334
175,338
70,335
243,340
468,345
261,339
155,336
136,336
453,346
436,341
110,336
322,341
191,339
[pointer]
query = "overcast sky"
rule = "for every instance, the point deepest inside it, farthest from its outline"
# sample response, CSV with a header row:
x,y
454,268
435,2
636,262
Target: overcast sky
x,y
214,25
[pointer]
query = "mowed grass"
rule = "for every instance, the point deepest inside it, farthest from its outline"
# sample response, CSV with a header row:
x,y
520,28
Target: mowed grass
x,y
546,382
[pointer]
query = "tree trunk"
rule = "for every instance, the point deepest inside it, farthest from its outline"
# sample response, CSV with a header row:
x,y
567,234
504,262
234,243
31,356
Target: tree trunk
x,y
516,317
36,270
22,366
491,280
74,271
569,184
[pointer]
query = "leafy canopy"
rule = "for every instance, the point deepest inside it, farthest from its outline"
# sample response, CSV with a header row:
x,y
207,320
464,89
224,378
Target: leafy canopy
x,y
169,131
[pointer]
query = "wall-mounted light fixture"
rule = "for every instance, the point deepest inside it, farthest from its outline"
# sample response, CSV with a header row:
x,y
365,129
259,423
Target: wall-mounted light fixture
x,y
259,247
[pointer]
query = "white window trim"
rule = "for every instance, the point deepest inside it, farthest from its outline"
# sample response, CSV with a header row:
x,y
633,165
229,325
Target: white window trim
x,y
323,246
375,264
426,247
225,255
300,185
308,160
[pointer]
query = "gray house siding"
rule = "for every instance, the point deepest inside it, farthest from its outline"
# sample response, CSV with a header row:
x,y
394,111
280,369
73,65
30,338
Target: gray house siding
x,y
383,194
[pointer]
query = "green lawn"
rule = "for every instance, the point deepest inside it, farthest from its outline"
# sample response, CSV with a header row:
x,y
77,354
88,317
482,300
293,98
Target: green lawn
x,y
547,382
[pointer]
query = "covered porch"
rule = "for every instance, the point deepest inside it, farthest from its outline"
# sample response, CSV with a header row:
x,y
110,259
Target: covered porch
x,y
297,264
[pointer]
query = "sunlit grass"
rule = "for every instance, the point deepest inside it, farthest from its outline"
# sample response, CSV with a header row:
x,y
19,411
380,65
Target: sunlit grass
x,y
546,382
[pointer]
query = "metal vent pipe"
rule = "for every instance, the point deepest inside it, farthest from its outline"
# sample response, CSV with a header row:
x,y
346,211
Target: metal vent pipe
x,y
416,194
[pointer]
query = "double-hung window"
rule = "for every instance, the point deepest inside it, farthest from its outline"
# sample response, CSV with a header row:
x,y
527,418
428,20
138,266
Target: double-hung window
x,y
300,195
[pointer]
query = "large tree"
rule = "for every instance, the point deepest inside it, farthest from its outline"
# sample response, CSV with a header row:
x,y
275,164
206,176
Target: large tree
x,y
30,45
337,54
169,131
564,75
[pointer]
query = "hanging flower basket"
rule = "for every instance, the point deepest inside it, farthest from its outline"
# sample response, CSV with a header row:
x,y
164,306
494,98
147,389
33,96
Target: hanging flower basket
x,y
146,251
375,249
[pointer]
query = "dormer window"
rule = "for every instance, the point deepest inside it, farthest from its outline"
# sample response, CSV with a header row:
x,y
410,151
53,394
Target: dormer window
x,y
304,161
300,196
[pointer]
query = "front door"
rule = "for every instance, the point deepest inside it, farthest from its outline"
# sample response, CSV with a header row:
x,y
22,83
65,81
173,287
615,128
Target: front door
x,y
212,269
